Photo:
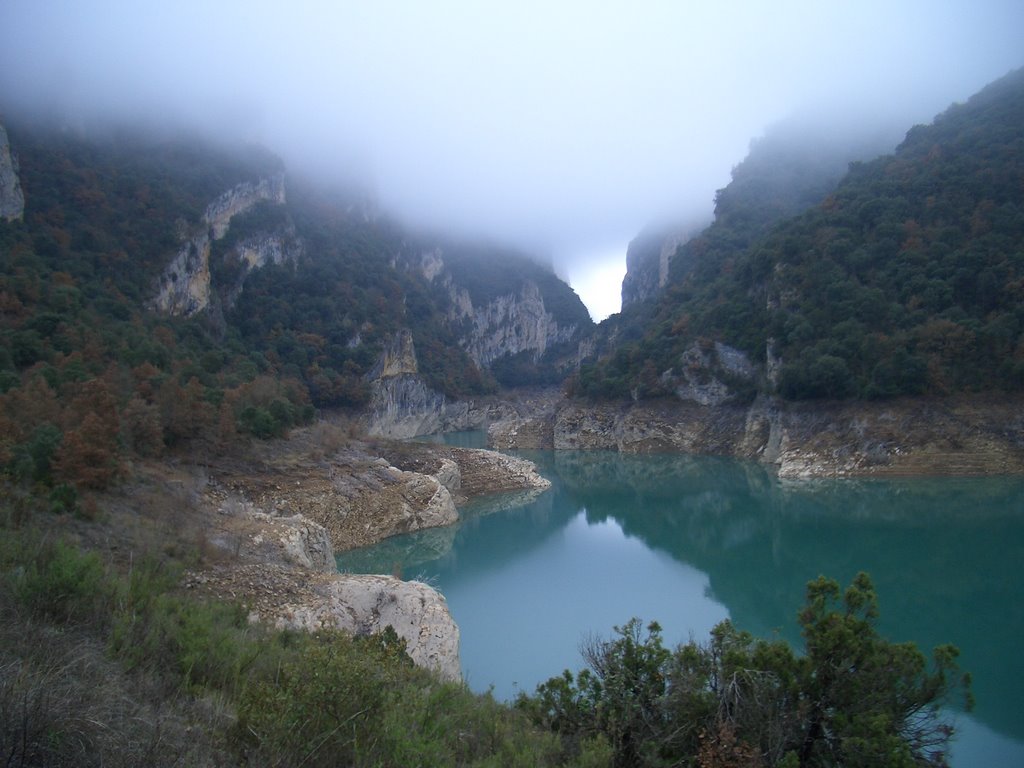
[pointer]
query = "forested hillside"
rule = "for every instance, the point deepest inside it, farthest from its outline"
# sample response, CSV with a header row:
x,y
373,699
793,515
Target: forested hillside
x,y
160,291
906,279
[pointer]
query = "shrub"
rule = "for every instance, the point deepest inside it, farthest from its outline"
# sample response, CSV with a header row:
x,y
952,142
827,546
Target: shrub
x,y
853,698
63,583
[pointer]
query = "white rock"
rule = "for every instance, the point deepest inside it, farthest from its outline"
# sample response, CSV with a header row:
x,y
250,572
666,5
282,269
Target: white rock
x,y
368,604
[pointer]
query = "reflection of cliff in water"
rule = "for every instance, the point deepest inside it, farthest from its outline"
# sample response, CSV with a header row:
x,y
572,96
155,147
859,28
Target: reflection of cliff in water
x,y
470,547
944,553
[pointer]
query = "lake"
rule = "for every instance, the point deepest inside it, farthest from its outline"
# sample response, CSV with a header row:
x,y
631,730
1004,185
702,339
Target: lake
x,y
690,541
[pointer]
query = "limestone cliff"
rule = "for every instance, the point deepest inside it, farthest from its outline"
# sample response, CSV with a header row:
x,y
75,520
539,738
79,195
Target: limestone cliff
x,y
647,259
403,406
12,200
508,318
509,324
647,262
184,288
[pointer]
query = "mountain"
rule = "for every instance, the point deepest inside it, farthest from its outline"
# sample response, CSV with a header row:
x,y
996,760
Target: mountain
x,y
163,290
793,166
904,279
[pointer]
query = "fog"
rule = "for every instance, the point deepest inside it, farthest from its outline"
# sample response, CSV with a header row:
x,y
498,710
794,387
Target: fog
x,y
561,128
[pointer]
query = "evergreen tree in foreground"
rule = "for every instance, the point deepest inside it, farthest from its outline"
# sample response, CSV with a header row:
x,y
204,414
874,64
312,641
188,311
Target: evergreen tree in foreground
x,y
852,699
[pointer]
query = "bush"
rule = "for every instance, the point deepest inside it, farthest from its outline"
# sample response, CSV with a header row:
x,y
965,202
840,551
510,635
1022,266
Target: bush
x,y
191,644
854,698
32,460
63,583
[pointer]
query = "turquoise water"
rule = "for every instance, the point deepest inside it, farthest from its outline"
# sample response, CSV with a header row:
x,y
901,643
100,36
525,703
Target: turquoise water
x,y
691,541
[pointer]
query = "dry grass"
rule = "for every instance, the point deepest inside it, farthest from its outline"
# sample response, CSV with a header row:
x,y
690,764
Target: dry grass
x,y
63,702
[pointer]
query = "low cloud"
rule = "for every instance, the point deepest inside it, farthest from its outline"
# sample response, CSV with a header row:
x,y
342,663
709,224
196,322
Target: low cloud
x,y
558,127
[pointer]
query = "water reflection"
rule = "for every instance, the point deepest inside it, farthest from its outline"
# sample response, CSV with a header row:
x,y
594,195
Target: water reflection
x,y
682,539
944,553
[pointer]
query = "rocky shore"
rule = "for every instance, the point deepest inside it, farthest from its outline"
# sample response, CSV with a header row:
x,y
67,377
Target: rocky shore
x,y
966,435
274,519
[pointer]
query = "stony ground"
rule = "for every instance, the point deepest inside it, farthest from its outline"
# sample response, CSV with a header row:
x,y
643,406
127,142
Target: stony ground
x,y
260,526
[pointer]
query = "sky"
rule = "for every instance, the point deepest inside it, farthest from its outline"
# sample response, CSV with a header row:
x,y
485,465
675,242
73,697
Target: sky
x,y
561,128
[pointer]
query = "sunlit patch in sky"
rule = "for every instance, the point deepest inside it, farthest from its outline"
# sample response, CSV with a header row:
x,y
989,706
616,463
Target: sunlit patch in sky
x,y
538,125
597,280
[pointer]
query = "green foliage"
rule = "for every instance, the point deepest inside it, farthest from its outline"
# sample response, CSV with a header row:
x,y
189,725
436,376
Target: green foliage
x,y
32,460
905,279
300,698
853,698
526,369
64,499
339,700
64,584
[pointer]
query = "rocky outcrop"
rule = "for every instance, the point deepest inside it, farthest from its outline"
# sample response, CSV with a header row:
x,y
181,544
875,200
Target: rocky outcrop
x,y
259,251
184,288
519,433
704,371
398,357
403,406
469,473
952,436
283,568
647,261
239,199
290,597
12,200
508,325
299,541
362,501
362,605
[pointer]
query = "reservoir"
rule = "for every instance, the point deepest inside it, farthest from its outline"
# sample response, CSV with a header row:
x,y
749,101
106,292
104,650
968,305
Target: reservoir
x,y
689,541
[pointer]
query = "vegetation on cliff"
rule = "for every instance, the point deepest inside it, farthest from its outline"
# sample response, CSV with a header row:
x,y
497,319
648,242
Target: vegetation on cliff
x,y
115,666
905,280
91,376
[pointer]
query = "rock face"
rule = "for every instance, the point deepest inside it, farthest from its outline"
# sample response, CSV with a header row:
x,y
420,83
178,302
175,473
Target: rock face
x,y
359,501
702,369
259,251
184,288
12,200
968,436
283,568
364,605
403,406
509,325
290,597
647,261
300,541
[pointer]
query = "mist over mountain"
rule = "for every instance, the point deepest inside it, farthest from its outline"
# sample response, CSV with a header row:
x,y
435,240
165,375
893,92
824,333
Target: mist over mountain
x,y
901,280
560,130
245,247
792,166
